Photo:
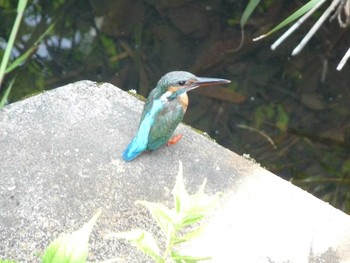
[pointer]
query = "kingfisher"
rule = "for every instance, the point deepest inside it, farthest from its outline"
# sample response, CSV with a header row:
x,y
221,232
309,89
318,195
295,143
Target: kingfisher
x,y
164,109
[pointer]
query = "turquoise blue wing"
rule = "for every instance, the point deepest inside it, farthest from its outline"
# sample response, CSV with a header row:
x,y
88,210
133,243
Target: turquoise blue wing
x,y
149,103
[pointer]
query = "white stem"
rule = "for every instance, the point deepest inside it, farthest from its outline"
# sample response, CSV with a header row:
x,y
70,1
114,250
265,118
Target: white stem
x,y
296,25
316,26
343,60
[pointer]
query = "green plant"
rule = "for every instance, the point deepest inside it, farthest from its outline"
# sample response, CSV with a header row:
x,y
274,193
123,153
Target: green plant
x,y
274,113
20,10
337,9
177,224
297,14
71,248
5,67
4,99
4,62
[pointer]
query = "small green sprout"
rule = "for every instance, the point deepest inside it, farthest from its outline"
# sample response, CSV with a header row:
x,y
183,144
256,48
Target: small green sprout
x,y
176,224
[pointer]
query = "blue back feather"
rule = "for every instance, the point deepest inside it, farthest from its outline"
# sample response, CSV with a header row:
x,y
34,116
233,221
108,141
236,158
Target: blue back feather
x,y
139,143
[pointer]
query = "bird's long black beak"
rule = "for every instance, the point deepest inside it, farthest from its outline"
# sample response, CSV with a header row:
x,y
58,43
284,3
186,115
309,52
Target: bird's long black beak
x,y
202,82
210,81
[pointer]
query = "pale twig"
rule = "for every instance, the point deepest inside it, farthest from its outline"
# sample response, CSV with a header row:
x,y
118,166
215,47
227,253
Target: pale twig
x,y
344,6
262,133
316,26
343,60
240,44
296,25
324,70
346,9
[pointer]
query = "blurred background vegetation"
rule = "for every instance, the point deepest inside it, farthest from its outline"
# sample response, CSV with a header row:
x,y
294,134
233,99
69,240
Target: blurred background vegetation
x,y
289,113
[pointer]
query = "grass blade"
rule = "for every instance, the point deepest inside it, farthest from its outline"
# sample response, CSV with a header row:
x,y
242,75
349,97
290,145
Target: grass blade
x,y
4,99
301,11
21,59
20,9
248,11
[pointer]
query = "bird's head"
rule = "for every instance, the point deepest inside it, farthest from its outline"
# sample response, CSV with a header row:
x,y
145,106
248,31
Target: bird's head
x,y
176,83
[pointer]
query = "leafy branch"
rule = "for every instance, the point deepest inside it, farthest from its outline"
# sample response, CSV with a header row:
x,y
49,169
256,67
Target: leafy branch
x,y
177,224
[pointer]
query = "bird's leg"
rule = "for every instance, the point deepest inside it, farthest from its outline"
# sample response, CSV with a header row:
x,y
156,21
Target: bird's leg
x,y
174,139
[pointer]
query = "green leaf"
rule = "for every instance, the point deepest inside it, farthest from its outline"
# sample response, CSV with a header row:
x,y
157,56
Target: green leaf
x,y
194,233
191,218
108,45
282,119
71,248
248,11
263,113
20,9
191,208
21,59
4,5
161,214
185,258
4,99
301,11
180,194
21,6
198,207
143,240
345,169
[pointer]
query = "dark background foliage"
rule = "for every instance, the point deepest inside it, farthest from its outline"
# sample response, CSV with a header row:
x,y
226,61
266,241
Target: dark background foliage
x,y
289,113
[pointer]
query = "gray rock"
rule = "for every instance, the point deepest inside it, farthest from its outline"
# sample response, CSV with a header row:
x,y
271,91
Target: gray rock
x,y
61,161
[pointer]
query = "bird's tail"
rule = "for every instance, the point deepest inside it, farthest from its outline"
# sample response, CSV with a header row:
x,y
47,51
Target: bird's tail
x,y
139,143
136,147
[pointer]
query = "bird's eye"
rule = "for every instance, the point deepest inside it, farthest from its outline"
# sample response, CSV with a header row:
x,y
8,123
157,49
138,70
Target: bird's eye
x,y
182,82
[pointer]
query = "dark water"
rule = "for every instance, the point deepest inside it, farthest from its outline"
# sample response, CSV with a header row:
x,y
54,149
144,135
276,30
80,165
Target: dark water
x,y
290,114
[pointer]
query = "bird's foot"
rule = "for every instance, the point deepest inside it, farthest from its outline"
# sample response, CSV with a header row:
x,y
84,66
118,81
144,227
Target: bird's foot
x,y
174,139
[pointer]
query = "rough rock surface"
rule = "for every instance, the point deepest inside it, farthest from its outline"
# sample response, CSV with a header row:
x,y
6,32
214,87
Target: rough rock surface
x,y
61,161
